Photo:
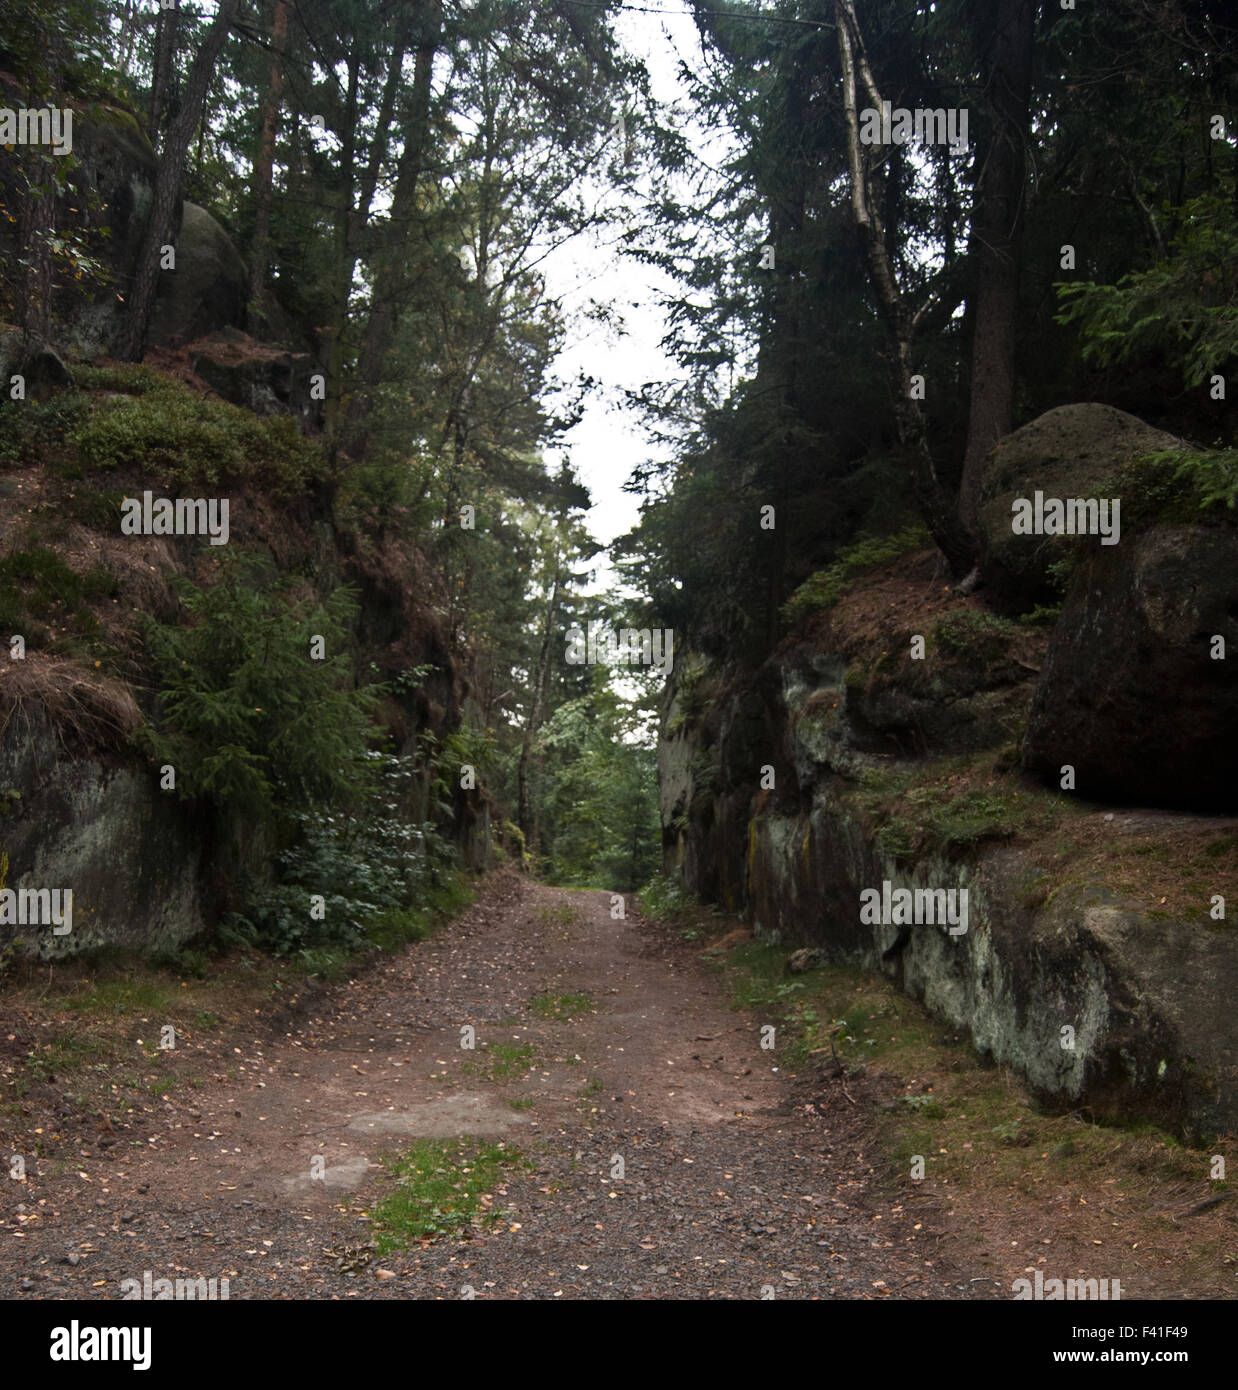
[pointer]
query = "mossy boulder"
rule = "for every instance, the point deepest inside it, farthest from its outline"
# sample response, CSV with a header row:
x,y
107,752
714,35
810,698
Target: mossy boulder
x,y
208,288
1075,451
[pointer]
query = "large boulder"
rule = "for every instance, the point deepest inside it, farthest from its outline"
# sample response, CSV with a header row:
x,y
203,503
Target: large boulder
x,y
1074,451
106,204
1131,694
208,288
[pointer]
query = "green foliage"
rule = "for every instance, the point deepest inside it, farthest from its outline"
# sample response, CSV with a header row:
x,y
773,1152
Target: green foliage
x,y
385,881
31,431
162,429
1043,615
824,589
599,796
964,630
466,747
693,692
246,717
1184,309
665,898
979,639
37,586
1206,482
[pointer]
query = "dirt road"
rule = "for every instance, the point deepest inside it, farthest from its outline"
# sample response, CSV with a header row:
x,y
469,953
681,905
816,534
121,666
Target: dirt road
x,y
596,1040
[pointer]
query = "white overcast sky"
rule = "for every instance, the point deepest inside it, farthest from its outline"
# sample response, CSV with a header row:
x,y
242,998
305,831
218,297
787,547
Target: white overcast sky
x,y
608,442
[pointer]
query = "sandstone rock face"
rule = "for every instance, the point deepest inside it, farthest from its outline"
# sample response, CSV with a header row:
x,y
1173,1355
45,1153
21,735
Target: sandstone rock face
x,y
1130,693
1129,675
131,854
1074,451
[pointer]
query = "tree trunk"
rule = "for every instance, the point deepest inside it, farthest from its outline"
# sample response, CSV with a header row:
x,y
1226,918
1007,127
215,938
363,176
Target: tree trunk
x,y
997,225
161,77
391,269
940,516
524,802
264,166
167,193
37,226
344,257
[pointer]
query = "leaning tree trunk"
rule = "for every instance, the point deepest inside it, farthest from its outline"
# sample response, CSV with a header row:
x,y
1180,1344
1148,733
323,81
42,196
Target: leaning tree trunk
x,y
940,515
37,227
997,225
167,193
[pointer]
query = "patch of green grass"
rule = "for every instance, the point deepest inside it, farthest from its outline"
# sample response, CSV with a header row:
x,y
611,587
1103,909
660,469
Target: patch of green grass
x,y
36,586
504,1061
759,980
952,805
560,1008
521,1103
560,915
67,1052
399,927
122,997
442,1188
183,961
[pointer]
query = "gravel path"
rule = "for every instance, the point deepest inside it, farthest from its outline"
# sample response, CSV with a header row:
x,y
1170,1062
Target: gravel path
x,y
738,1181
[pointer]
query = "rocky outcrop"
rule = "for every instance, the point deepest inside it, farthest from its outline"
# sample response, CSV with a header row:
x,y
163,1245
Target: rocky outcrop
x,y
1075,451
268,381
35,361
1137,692
105,207
848,763
1144,993
100,827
